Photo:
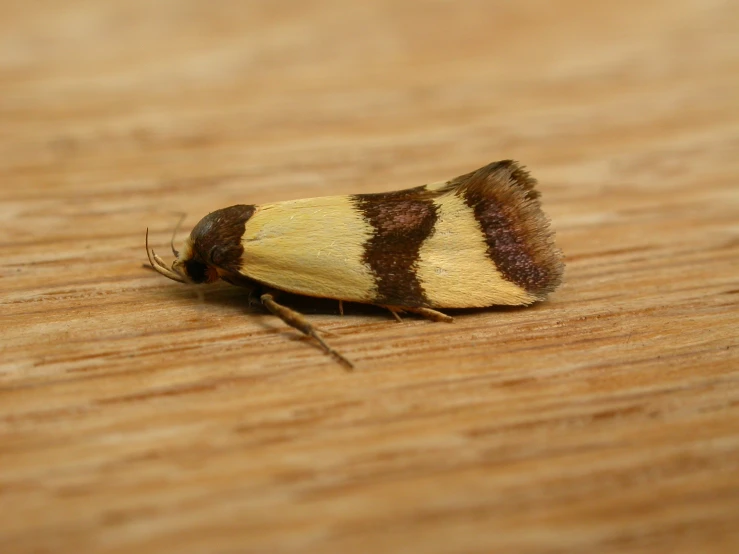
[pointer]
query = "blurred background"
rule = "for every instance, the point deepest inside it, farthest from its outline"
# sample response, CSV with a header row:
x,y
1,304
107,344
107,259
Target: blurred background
x,y
176,95
135,418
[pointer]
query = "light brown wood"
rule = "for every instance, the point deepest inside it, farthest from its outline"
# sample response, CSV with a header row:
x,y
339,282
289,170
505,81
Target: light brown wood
x,y
135,417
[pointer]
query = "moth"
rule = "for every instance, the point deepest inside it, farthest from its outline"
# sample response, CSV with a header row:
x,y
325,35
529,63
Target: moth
x,y
475,241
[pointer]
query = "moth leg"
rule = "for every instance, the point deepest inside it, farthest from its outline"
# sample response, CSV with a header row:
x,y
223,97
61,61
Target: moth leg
x,y
395,313
252,298
298,321
433,315
341,307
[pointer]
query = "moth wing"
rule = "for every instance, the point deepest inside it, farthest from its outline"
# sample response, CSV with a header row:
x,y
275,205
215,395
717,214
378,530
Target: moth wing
x,y
312,247
492,244
489,243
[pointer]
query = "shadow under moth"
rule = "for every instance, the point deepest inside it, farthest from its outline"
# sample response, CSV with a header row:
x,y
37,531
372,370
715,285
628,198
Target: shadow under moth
x,y
475,241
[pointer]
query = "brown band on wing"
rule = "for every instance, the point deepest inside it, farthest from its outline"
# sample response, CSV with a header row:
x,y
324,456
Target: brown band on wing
x,y
516,231
401,222
216,239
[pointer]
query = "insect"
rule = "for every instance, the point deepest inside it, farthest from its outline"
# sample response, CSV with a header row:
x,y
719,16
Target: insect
x,y
475,241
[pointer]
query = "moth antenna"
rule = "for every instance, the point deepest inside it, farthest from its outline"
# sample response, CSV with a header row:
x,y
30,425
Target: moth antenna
x,y
158,260
158,264
183,215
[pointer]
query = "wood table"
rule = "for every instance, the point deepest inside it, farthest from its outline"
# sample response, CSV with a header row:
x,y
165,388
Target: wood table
x,y
139,416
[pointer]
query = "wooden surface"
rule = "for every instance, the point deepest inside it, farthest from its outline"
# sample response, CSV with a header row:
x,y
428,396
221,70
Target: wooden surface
x,y
136,418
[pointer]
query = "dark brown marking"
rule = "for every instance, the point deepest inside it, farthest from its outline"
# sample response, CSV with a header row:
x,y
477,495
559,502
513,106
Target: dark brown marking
x,y
517,233
216,243
401,221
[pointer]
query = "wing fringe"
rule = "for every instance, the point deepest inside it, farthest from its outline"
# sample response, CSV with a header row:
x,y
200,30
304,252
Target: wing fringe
x,y
518,233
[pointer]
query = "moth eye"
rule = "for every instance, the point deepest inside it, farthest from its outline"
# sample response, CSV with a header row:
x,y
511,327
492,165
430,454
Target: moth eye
x,y
196,271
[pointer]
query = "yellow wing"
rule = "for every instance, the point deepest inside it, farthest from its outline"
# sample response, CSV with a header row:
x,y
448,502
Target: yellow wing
x,y
312,247
478,240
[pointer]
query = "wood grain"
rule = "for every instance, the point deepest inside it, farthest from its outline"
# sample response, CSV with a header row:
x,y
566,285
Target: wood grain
x,y
136,418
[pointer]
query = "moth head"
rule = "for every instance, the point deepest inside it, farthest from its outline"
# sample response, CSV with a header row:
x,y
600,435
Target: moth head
x,y
212,249
186,268
191,265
